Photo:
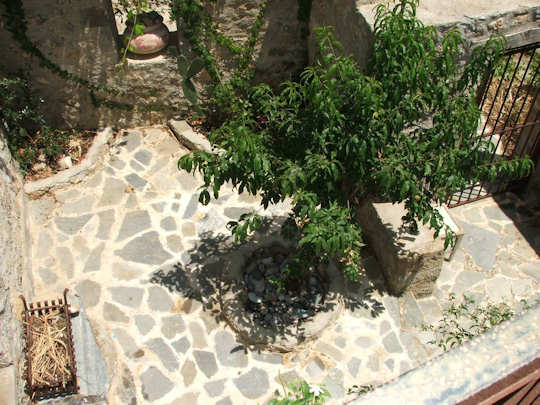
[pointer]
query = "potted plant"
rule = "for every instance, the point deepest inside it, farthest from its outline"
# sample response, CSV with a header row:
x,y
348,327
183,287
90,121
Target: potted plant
x,y
146,33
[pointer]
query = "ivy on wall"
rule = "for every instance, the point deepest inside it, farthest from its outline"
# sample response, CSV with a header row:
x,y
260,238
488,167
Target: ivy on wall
x,y
199,29
17,25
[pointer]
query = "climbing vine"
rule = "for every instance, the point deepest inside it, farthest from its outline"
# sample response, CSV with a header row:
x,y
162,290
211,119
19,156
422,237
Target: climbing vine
x,y
16,24
200,30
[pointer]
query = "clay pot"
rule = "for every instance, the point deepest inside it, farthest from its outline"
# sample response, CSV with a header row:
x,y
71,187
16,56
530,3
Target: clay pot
x,y
155,36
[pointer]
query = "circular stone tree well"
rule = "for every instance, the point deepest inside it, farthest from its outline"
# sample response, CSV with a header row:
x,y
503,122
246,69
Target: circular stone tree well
x,y
265,311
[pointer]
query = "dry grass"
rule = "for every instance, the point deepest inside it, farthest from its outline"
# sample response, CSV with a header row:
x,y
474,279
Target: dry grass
x,y
49,353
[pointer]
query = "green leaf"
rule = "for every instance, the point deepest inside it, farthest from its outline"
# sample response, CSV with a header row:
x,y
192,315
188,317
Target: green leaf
x,y
196,66
186,163
182,65
404,188
189,91
138,29
204,197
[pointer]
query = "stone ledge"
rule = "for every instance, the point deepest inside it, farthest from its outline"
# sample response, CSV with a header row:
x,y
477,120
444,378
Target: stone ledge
x,y
77,173
79,400
92,372
166,56
189,138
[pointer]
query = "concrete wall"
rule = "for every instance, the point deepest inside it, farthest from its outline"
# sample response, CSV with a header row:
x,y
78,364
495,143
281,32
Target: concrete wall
x,y
476,21
533,188
467,370
343,15
13,274
409,262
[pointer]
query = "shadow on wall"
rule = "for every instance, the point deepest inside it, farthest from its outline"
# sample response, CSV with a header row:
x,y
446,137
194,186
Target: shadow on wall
x,y
350,28
79,39
284,47
205,276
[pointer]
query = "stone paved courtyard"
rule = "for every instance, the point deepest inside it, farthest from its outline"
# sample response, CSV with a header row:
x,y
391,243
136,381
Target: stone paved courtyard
x,y
129,239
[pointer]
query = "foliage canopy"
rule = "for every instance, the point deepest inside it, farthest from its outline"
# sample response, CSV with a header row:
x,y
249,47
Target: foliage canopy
x,y
405,131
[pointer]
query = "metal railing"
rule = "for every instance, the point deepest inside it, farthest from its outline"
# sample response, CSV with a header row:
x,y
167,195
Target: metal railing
x,y
510,116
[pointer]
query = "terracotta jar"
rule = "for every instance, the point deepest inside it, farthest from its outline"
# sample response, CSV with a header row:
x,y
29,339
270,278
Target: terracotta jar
x,y
155,36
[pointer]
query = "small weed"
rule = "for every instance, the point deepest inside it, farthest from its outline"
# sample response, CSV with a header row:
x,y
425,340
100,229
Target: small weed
x,y
468,319
300,393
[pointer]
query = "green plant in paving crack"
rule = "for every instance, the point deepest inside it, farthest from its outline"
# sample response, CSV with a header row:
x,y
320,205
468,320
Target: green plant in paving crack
x,y
300,393
467,319
28,135
360,389
404,132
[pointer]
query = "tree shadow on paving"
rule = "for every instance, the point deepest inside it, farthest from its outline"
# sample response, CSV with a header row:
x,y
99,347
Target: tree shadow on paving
x,y
212,273
524,219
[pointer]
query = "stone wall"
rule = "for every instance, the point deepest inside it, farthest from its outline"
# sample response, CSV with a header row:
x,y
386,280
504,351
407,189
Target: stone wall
x,y
282,51
81,38
13,275
476,20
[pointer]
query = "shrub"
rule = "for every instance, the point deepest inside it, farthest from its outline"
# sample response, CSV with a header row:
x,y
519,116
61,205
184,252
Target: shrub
x,y
404,132
27,135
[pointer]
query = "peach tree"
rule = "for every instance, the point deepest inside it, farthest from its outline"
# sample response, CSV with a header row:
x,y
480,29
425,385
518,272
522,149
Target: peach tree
x,y
404,131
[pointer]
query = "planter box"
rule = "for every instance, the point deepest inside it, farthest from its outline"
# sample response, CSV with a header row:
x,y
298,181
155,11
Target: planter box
x,y
409,262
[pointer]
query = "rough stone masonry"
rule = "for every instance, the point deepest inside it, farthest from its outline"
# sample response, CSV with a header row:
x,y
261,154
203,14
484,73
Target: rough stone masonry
x,y
14,278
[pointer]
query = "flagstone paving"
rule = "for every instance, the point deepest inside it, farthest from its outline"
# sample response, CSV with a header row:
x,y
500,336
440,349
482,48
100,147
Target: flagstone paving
x,y
126,239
